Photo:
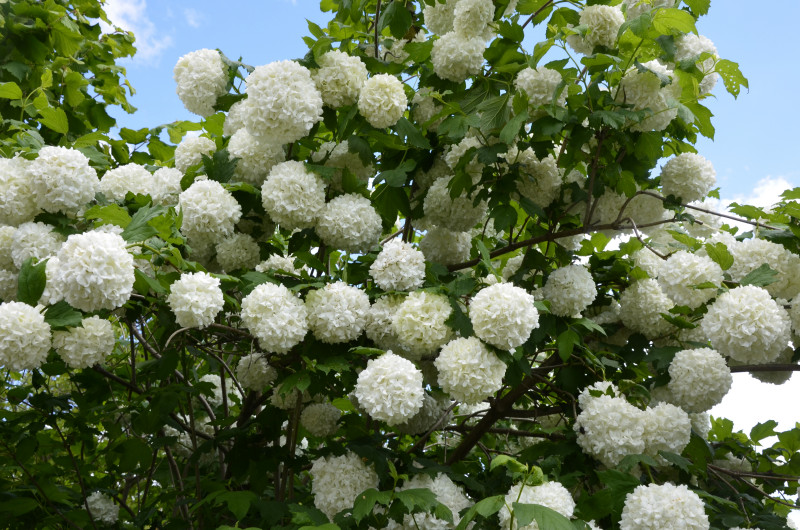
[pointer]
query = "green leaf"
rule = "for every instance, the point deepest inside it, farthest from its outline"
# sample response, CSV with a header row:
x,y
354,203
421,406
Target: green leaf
x,y
731,76
366,501
112,214
219,166
676,459
698,7
10,90
673,21
61,315
494,112
411,134
545,517
485,507
397,17
511,128
566,343
54,118
139,229
144,283
789,440
326,526
397,177
505,216
763,430
509,462
31,282
719,253
18,506
760,277
134,137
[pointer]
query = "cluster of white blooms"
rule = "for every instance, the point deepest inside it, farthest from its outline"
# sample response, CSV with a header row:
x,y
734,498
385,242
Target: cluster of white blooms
x,y
750,254
337,313
690,46
256,158
390,389
459,214
425,107
540,85
17,200
688,176
659,506
643,90
456,57
340,157
503,315
215,398
453,156
191,150
551,495
379,323
238,251
641,305
747,325
699,379
320,419
570,290
34,240
195,299
234,121
666,428
471,17
468,371
62,179
86,345
648,261
444,246
382,101
288,400
166,185
102,508
439,16
419,322
539,180
777,377
24,336
398,267
254,372
276,316
446,491
134,178
349,222
609,428
95,271
209,211
283,102
603,23
293,196
336,480
434,412
636,8
683,271
276,263
644,210
201,77
339,78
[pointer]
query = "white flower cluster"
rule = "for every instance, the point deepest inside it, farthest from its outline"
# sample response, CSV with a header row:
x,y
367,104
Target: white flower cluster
x,y
419,322
456,57
86,345
398,267
446,491
666,428
336,480
750,254
603,23
276,263
201,78
24,337
503,315
643,90
277,317
444,246
455,153
17,200
339,78
134,178
293,196
683,271
191,150
382,101
349,222
320,419
641,305
102,508
234,121
747,325
340,157
688,176
570,290
539,180
34,240
254,372
238,251
283,102
379,323
459,214
690,46
432,411
468,371
195,299
471,18
256,158
699,379
166,185
337,313
540,85
551,495
390,389
659,506
439,16
62,179
425,107
209,211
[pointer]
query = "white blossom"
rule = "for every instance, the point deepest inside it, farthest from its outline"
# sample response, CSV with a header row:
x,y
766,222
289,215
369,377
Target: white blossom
x,y
234,120
209,211
699,379
238,251
398,267
84,346
17,200
254,372
609,428
446,491
277,317
643,90
24,336
539,85
503,315
350,223
439,16
456,57
682,272
340,157
62,179
337,313
551,495
195,299
444,246
336,480
191,150
641,306
34,240
293,196
390,389
471,17
666,428
166,185
688,176
320,419
339,78
457,214
256,157
468,371
690,46
102,508
201,77
660,506
539,180
603,25
419,322
382,100
570,290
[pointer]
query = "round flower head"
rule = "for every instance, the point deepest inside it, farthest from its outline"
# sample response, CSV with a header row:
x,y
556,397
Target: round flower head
x,y
440,245
750,254
196,299
603,24
468,371
688,176
34,240
283,102
277,263
191,150
102,508
428,416
87,345
641,305
339,78
747,325
382,101
62,180
439,16
117,182
234,121
379,323
337,313
655,507
456,57
699,379
458,215
201,78
419,322
503,315
340,157
609,429
570,290
540,85
320,419
166,185
425,108
446,492
239,251
254,372
390,389
256,158
209,211
648,261
643,90
350,223
690,46
551,495
95,271
336,480
539,180
666,428
24,337
277,317
471,17
293,196
453,156
17,200
682,271
398,267
777,377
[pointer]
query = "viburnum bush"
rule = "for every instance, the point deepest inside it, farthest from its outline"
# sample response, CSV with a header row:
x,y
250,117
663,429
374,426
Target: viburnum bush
x,y
433,274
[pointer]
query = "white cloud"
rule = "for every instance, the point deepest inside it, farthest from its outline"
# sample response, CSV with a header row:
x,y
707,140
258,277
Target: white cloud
x,y
193,17
131,15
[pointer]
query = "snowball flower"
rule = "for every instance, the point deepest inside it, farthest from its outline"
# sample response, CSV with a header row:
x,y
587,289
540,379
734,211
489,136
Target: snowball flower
x,y
350,223
336,480
458,215
539,180
570,290
382,100
196,299
62,180
239,251
379,323
699,379
419,322
609,428
503,315
643,90
320,419
456,57
666,428
277,263
339,78
552,495
17,200
468,371
134,178
690,46
688,176
446,492
682,272
340,156
440,245
455,153
277,317
439,16
34,240
191,150
641,305
209,211
201,78
747,325
390,389
540,85
337,313
166,185
256,158
102,508
86,345
24,337
603,24
398,267
234,121
283,102
750,254
293,196
254,372
655,507
429,415
470,17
